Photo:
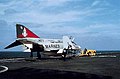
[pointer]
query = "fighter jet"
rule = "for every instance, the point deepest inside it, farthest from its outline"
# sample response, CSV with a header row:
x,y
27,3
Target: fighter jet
x,y
51,47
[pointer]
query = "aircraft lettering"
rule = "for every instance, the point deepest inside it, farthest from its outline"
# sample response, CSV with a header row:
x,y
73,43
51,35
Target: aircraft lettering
x,y
53,46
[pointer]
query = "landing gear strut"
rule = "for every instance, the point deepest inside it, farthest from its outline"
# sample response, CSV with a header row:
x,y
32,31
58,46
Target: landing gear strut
x,y
31,54
64,54
38,55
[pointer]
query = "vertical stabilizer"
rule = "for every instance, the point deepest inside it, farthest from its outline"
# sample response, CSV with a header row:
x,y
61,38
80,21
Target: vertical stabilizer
x,y
23,32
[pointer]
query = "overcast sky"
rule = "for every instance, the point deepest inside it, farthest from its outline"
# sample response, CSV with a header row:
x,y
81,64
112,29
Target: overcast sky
x,y
95,24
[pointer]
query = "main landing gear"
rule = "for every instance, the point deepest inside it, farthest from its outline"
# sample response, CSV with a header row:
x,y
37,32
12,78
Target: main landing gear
x,y
64,54
38,54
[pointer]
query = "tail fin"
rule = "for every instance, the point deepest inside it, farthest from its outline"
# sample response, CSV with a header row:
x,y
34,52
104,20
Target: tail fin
x,y
23,32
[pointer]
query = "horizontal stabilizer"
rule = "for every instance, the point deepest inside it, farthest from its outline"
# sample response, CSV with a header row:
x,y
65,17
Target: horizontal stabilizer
x,y
16,43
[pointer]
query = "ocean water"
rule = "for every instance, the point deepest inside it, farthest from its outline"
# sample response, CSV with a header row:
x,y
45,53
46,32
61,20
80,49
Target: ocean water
x,y
20,54
106,52
15,54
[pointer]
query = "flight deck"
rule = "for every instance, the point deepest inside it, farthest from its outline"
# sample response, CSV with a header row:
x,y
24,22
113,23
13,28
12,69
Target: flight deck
x,y
101,67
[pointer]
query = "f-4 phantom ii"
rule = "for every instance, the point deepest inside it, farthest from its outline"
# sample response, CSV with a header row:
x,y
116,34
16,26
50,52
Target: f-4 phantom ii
x,y
33,43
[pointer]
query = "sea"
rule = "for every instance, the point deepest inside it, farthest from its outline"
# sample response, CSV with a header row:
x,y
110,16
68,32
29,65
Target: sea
x,y
14,54
20,54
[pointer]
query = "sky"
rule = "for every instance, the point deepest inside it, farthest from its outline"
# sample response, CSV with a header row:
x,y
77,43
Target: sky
x,y
95,24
